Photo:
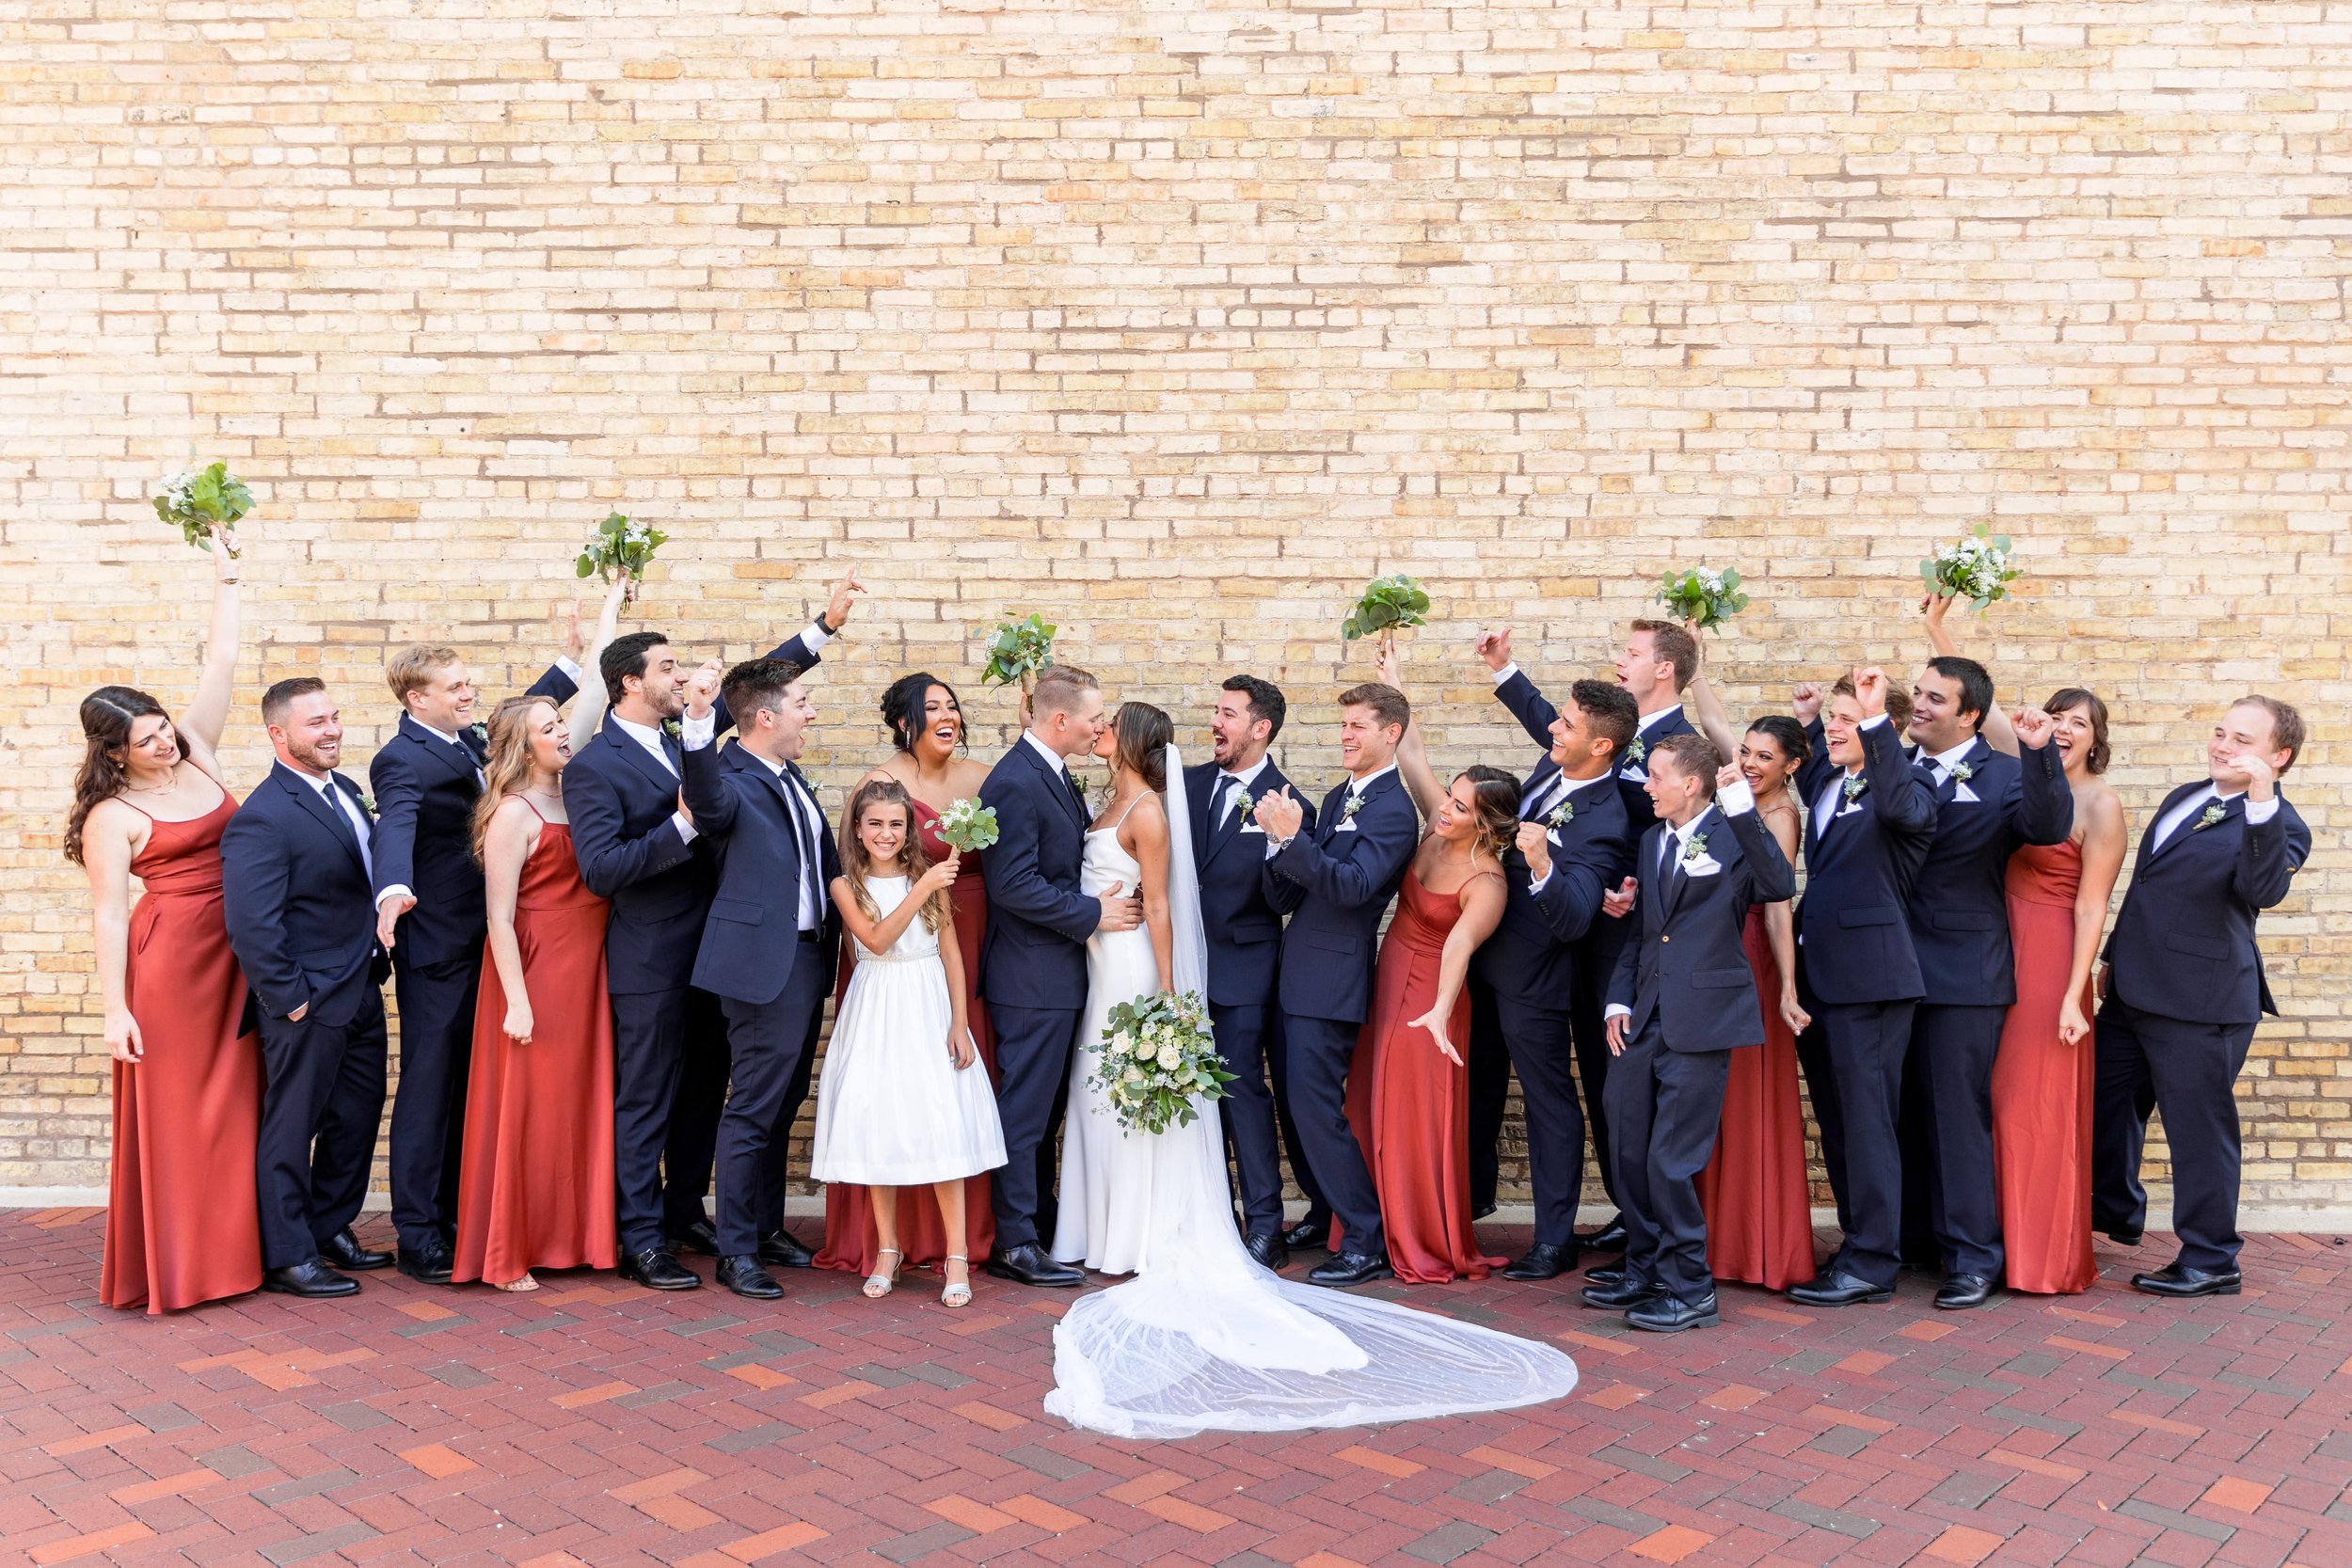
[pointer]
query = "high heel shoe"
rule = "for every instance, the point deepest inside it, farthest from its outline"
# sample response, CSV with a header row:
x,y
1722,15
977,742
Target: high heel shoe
x,y
957,1292
880,1284
525,1283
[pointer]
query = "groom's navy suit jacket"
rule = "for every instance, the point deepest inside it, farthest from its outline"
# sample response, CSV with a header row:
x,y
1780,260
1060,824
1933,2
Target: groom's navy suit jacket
x,y
1034,955
1335,880
620,801
1243,928
749,941
301,915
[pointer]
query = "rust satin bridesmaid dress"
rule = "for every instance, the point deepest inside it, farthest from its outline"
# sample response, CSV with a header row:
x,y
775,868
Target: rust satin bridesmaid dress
x,y
2041,1086
1759,1217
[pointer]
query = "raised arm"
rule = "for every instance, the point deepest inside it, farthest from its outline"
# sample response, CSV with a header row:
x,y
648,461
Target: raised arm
x,y
1412,757
1998,733
1906,804
1513,690
587,710
1481,901
1714,722
2043,810
206,716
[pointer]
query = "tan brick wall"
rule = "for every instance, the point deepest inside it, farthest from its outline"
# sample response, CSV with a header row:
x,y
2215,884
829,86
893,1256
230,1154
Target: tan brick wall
x,y
1177,323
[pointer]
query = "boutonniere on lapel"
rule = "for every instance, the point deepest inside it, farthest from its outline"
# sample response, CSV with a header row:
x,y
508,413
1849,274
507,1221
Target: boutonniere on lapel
x,y
1960,773
2215,812
1637,750
1078,783
1561,815
367,803
1854,786
481,732
1355,805
1244,803
673,729
1695,849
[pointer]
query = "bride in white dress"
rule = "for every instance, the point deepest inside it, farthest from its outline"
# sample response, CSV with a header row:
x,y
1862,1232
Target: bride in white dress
x,y
1202,1337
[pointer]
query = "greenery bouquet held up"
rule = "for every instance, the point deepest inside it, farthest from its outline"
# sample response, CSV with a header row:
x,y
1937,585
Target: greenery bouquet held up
x,y
200,503
1156,1057
968,826
620,548
1978,567
1703,596
1389,605
1017,650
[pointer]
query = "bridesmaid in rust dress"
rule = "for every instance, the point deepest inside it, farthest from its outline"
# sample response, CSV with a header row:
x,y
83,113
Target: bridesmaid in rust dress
x,y
1408,1088
535,1184
180,1220
926,725
1759,1217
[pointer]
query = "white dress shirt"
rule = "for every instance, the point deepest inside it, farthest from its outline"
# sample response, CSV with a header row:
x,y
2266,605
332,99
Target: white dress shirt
x,y
1242,781
349,809
1832,800
694,734
1734,800
1943,762
1060,763
650,737
1355,788
1543,805
2257,811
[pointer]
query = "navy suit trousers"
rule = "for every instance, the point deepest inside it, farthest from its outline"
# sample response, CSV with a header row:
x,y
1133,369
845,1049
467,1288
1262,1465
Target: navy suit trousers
x,y
1248,1111
322,1097
1319,1053
769,1045
1664,1108
436,1006
2192,1068
1033,1046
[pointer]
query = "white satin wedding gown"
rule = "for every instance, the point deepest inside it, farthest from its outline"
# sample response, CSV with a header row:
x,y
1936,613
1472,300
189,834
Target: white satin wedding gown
x,y
1202,1337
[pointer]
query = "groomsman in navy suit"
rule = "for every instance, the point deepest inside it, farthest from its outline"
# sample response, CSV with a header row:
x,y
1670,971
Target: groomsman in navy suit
x,y
429,915
1574,847
1682,999
770,941
1988,804
1244,936
1335,880
296,870
640,848
2184,989
1033,966
1870,816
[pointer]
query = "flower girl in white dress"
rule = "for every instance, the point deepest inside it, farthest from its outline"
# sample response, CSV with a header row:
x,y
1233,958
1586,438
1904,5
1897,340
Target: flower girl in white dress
x,y
900,1104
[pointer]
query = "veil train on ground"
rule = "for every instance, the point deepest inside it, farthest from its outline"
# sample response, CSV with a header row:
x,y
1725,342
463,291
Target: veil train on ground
x,y
1203,1339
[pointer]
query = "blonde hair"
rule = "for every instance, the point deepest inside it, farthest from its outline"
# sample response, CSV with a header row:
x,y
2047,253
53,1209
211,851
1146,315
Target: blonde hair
x,y
413,668
913,859
507,769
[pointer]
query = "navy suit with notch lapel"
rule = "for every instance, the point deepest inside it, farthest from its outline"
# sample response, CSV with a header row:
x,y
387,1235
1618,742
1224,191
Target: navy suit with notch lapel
x,y
301,918
425,789
1033,973
770,974
669,1037
1245,941
2185,992
1858,974
1960,928
1335,883
1692,1000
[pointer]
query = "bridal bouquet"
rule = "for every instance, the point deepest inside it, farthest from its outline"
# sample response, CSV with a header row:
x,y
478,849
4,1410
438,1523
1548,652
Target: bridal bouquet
x,y
968,826
1978,567
620,548
1389,604
1017,650
1703,596
198,500
1156,1057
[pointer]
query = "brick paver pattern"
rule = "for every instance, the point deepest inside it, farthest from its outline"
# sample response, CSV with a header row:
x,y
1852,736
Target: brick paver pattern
x,y
596,1424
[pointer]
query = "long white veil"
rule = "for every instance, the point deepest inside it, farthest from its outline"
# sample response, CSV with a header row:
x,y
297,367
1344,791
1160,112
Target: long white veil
x,y
1202,1337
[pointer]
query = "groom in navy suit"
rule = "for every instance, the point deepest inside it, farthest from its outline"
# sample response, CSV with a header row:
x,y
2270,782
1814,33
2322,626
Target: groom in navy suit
x,y
639,847
297,880
1245,938
2184,989
1033,966
429,915
1335,881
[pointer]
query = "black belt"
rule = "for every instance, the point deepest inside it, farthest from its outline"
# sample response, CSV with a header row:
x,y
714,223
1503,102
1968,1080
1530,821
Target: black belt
x,y
812,936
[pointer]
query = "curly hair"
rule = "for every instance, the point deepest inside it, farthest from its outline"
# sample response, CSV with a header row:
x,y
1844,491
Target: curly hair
x,y
1495,802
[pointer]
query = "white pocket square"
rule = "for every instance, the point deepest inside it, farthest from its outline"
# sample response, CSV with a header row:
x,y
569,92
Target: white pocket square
x,y
1849,810
1346,826
1553,834
1634,775
1965,793
1706,866
1251,828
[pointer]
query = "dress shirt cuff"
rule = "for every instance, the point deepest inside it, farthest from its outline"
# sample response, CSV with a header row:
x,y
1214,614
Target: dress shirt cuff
x,y
1274,847
1736,799
1536,884
685,828
1616,1009
398,890
1873,723
570,666
1506,673
817,635
694,734
2260,812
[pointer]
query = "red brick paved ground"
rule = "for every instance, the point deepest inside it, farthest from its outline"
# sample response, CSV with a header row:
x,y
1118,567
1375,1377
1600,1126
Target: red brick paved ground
x,y
594,1423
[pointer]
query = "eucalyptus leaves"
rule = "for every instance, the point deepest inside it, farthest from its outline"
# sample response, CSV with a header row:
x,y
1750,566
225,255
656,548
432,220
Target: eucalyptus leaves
x,y
1977,566
201,501
1017,650
1389,604
1703,596
621,549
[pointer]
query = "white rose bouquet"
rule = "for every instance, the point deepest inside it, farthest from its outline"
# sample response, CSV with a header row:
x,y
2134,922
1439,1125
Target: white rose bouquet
x,y
1978,567
968,826
1703,596
1156,1058
620,548
199,501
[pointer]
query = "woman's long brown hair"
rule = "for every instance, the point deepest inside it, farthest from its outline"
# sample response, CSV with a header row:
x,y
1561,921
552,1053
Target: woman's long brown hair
x,y
507,769
913,859
107,715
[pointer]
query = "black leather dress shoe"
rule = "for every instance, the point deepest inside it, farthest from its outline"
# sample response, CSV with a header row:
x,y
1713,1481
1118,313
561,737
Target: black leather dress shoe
x,y
309,1278
1307,1233
1028,1264
2179,1279
1609,1237
1839,1288
2122,1235
696,1236
1618,1294
1350,1268
1605,1274
743,1274
1665,1314
429,1263
1542,1261
343,1251
1961,1292
1268,1250
781,1249
656,1269
1481,1212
